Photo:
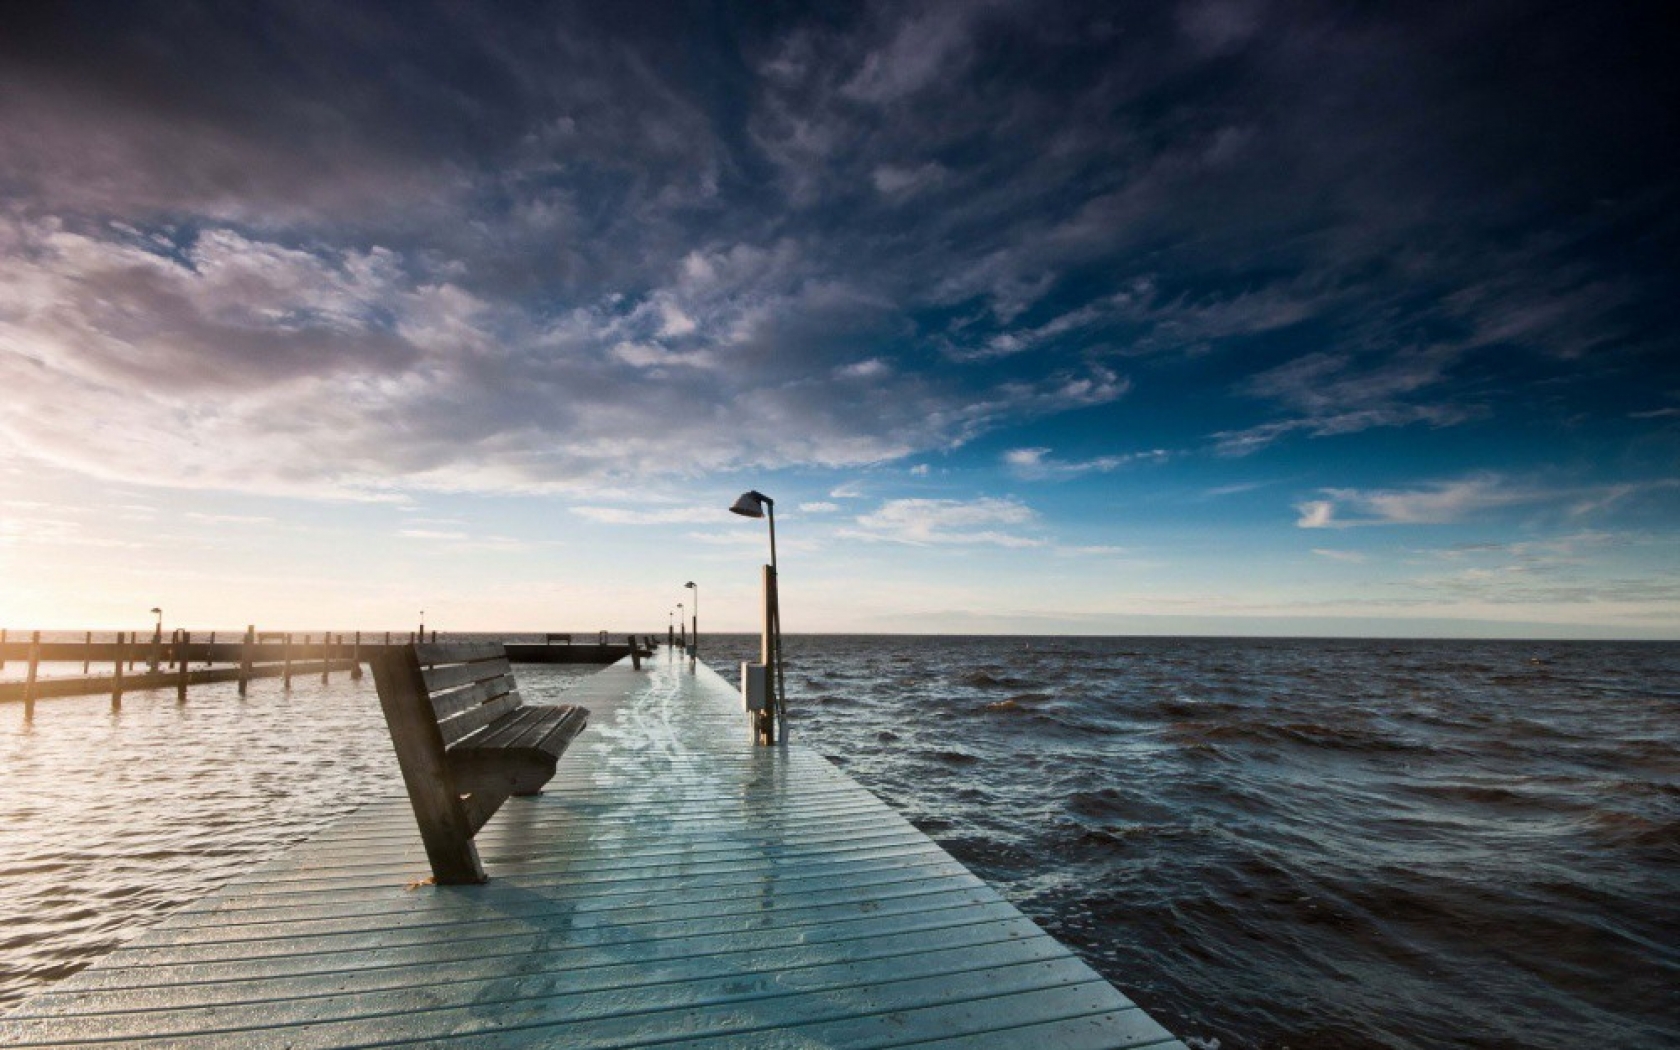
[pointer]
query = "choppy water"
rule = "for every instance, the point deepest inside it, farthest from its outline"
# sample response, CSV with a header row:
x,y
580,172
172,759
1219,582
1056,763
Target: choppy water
x,y
1308,844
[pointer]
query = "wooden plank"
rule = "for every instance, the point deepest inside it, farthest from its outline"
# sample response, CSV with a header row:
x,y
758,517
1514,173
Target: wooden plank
x,y
453,702
535,727
449,676
993,941
474,719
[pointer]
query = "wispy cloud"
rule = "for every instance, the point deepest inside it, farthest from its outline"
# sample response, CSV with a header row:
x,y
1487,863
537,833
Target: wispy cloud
x,y
1037,463
1438,504
1449,502
1338,555
989,521
661,516
432,534
1334,394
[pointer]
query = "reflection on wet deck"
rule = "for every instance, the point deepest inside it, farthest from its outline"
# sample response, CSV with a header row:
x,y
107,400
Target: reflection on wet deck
x,y
673,884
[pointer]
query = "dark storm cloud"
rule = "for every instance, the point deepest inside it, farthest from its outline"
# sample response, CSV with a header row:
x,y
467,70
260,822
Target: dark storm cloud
x,y
492,245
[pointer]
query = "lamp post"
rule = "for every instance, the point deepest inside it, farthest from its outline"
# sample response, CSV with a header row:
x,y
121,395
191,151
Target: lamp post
x,y
670,628
157,639
694,645
755,504
682,627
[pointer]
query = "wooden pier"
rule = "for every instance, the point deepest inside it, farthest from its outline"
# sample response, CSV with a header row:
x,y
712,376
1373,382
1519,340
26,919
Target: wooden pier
x,y
140,662
673,885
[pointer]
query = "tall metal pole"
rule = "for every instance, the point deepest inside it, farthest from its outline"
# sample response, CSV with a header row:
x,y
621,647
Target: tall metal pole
x,y
776,610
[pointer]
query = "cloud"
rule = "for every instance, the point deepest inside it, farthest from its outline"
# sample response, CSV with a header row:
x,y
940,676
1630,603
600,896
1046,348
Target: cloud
x,y
597,246
1439,504
251,364
901,183
920,49
1451,502
1335,395
1335,555
929,522
872,368
819,507
228,519
1317,514
1036,464
664,516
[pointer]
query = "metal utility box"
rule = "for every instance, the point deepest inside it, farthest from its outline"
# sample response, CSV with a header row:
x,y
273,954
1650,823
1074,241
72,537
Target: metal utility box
x,y
755,686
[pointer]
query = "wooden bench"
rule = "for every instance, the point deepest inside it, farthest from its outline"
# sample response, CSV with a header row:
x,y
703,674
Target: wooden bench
x,y
465,742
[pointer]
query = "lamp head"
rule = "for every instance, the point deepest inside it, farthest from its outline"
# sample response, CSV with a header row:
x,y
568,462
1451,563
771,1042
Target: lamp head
x,y
752,504
690,585
158,611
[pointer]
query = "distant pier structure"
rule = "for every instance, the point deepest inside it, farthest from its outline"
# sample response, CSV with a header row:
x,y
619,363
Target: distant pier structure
x,y
141,660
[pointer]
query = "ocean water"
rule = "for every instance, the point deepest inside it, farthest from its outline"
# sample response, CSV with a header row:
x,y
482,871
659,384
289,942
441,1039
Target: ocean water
x,y
1266,843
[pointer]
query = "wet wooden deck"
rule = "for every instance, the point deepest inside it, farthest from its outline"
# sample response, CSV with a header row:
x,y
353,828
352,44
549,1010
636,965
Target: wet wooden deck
x,y
674,885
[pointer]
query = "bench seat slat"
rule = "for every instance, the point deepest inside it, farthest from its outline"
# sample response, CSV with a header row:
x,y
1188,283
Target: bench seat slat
x,y
519,755
535,729
507,733
450,676
532,731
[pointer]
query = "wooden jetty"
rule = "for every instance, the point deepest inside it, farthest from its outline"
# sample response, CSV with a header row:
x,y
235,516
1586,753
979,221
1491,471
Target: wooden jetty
x,y
673,885
139,661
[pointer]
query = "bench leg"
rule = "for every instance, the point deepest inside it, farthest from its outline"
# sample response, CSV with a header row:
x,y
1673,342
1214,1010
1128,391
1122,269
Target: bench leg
x,y
445,827
454,862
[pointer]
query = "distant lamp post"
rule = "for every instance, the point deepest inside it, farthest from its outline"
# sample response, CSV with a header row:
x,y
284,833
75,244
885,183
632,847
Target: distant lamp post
x,y
682,627
157,638
694,643
755,504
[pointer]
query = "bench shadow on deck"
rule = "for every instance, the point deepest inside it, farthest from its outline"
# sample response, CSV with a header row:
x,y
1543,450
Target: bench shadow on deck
x,y
673,884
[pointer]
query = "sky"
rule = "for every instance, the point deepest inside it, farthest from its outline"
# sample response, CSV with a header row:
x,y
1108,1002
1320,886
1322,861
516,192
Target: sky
x,y
1219,317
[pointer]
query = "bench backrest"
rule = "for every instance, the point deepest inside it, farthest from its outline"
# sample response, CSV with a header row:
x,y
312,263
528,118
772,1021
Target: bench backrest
x,y
469,685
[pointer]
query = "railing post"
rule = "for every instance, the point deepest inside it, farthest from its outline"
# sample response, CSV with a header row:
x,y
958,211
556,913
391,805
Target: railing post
x,y
356,658
29,682
87,652
117,672
183,666
245,657
286,667
210,651
326,656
